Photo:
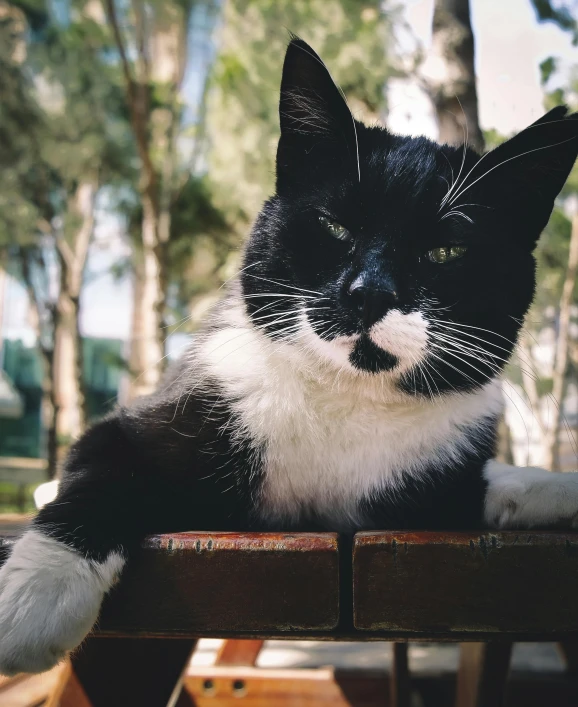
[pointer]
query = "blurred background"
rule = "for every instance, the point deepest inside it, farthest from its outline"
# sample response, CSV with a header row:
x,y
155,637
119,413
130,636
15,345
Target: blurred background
x,y
137,143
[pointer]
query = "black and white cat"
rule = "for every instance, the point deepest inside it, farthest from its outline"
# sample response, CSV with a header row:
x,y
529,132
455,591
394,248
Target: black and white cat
x,y
349,380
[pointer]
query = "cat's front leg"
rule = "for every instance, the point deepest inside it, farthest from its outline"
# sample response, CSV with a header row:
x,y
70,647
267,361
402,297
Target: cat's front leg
x,y
529,497
128,476
53,583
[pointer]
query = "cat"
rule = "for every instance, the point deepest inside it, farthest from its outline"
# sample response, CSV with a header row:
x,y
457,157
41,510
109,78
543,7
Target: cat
x,y
348,380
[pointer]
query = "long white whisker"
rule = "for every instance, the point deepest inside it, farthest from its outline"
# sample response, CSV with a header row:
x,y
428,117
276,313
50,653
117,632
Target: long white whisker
x,y
470,326
282,294
281,284
463,156
456,213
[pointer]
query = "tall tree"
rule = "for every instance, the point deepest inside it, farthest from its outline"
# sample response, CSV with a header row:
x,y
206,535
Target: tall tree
x,y
563,294
151,40
59,140
450,75
545,381
562,351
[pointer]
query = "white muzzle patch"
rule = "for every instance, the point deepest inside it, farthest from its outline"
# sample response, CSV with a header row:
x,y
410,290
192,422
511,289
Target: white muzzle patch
x,y
403,335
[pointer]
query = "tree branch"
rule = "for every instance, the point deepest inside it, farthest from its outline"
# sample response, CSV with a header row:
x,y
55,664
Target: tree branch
x,y
137,99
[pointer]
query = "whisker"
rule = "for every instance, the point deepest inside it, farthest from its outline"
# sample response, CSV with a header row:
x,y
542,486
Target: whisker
x,y
456,213
281,284
465,123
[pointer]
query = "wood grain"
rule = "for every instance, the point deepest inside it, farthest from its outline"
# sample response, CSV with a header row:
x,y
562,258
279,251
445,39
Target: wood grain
x,y
206,583
463,584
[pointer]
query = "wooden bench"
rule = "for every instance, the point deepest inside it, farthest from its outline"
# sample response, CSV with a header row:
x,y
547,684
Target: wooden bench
x,y
485,591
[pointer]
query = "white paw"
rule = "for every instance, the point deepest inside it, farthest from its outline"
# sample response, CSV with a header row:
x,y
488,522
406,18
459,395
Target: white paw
x,y
530,497
50,597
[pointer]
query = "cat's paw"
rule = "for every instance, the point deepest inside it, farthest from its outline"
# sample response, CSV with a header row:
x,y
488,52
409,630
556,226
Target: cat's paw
x,y
530,497
50,597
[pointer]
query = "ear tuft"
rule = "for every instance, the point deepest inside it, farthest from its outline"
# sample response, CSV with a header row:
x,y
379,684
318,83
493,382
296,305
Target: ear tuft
x,y
310,101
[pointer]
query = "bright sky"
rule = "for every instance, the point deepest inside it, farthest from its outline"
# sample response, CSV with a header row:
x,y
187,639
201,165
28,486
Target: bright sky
x,y
510,44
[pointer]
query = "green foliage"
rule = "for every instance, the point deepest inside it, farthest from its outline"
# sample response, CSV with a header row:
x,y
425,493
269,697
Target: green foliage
x,y
23,176
547,68
563,15
493,138
552,250
200,242
552,258
61,122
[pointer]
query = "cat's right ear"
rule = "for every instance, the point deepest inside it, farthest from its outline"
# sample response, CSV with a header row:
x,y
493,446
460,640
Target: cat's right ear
x,y
317,128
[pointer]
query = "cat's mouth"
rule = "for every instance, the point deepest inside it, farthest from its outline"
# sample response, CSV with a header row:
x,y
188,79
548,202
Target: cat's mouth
x,y
367,356
397,342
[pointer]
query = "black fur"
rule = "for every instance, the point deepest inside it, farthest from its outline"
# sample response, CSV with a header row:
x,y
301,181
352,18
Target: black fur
x,y
179,460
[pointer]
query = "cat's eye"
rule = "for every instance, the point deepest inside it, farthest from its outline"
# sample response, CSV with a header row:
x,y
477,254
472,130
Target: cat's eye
x,y
335,229
446,254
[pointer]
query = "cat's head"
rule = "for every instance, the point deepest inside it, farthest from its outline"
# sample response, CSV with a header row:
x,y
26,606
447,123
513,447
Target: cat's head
x,y
393,255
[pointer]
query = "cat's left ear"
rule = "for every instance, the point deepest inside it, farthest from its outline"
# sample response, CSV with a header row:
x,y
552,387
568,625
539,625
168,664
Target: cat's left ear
x,y
317,128
524,175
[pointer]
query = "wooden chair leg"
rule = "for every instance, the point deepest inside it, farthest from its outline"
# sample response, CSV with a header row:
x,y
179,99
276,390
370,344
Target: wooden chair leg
x,y
117,672
400,685
239,652
569,652
483,673
68,692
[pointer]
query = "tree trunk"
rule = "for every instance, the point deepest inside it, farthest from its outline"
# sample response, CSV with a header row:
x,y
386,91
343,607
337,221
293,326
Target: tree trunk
x,y
147,350
45,343
157,58
68,366
504,452
57,327
450,75
2,297
562,352
50,413
530,387
64,382
147,355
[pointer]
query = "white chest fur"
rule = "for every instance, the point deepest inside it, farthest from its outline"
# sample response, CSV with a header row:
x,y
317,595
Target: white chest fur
x,y
330,439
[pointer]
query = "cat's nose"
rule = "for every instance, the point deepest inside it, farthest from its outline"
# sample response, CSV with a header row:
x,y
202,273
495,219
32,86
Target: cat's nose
x,y
371,300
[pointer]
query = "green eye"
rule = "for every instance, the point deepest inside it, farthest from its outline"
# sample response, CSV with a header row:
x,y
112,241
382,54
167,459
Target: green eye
x,y
335,229
444,255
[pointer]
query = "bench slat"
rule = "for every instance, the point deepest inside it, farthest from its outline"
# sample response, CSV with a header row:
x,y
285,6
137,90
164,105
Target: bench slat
x,y
448,584
205,583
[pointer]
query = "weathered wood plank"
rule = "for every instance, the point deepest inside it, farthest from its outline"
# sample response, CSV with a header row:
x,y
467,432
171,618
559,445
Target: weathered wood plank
x,y
209,686
463,584
206,583
254,687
